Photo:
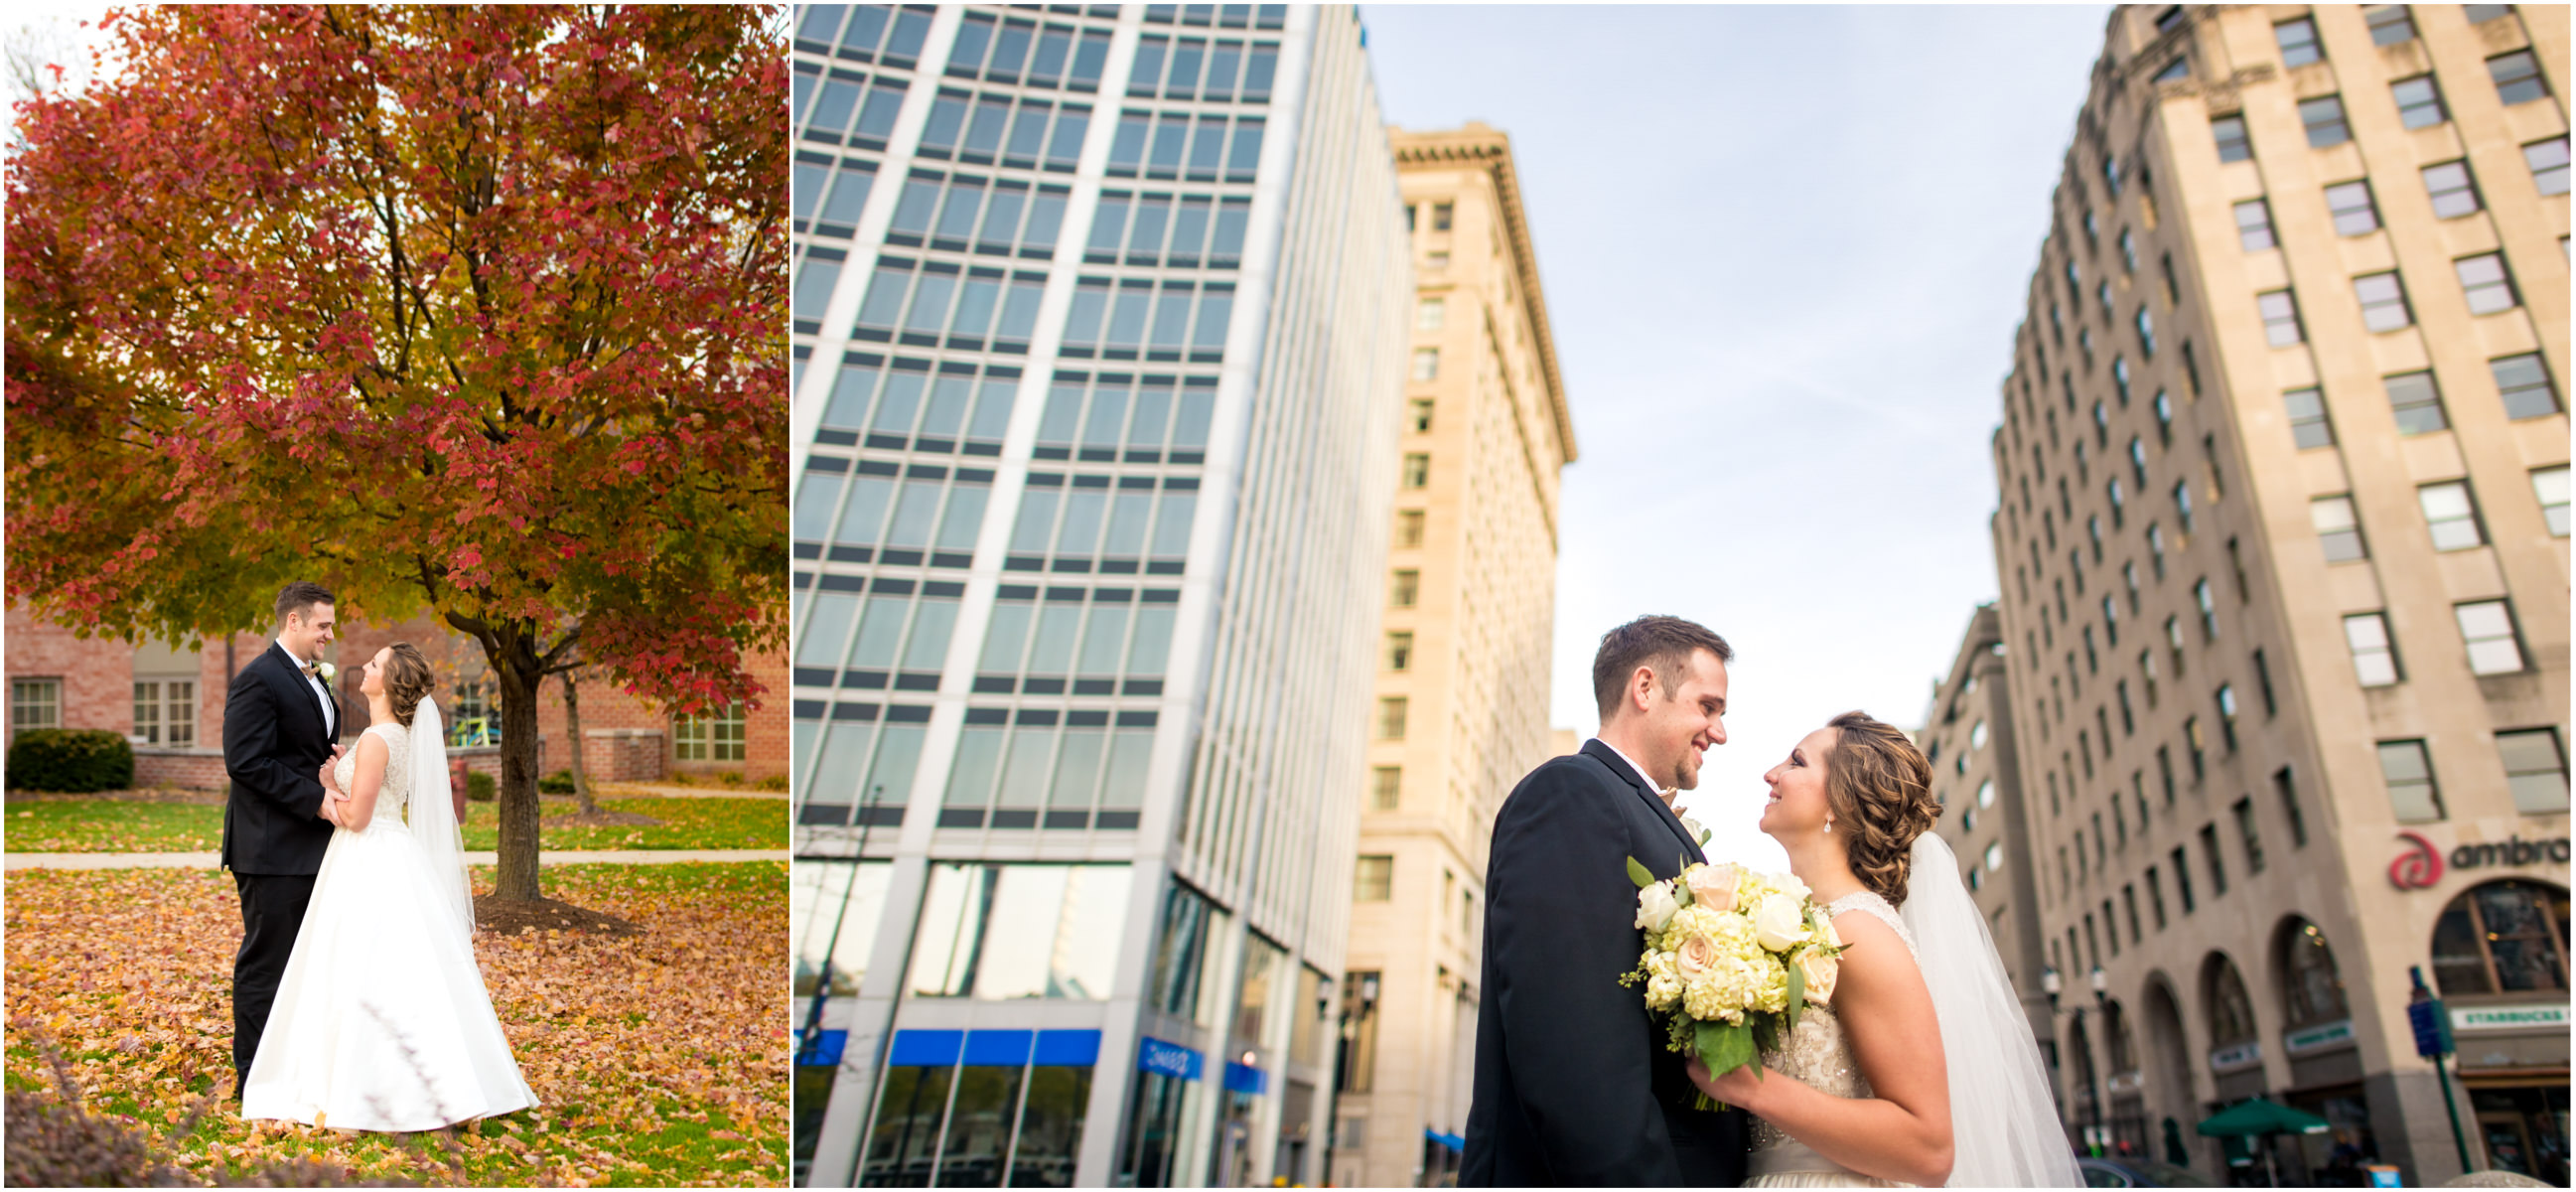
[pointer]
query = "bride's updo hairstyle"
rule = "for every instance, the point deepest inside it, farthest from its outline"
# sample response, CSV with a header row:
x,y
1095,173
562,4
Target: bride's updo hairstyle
x,y
1879,788
407,680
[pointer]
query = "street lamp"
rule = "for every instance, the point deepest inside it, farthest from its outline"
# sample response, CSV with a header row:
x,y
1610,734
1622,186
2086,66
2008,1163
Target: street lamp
x,y
2102,1015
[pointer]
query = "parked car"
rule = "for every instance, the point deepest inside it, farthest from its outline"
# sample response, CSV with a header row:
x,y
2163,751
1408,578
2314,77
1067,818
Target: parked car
x,y
2137,1173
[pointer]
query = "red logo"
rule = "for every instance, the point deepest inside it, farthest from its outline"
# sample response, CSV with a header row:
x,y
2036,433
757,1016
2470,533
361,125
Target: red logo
x,y
2418,868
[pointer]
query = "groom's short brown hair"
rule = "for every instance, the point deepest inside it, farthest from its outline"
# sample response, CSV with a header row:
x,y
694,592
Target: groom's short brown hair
x,y
1663,643
299,596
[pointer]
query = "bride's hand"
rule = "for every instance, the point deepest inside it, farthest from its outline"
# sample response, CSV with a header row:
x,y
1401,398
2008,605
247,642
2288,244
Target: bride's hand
x,y
1741,1088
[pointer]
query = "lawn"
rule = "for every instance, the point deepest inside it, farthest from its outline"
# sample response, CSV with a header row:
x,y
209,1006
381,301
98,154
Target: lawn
x,y
656,1060
57,825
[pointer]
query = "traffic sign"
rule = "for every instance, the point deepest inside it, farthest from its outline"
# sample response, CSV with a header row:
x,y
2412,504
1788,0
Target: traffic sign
x,y
2432,1028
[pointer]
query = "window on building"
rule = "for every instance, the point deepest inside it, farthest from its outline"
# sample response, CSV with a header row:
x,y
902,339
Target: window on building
x,y
165,712
1426,364
1373,879
2485,283
2453,191
1406,589
2211,857
2535,770
2450,515
2548,162
2480,14
2182,504
2249,834
2419,102
2388,24
2523,382
2227,716
2175,71
2208,605
2374,656
2197,746
2298,41
1408,528
1390,718
2323,117
2549,487
1418,415
2416,402
2338,530
717,736
2230,133
2308,425
2254,225
1431,314
1417,469
1399,651
1442,215
2486,627
2517,77
1411,220
2409,775
2182,878
2280,318
2383,301
2503,937
1436,261
34,703
1386,788
2354,213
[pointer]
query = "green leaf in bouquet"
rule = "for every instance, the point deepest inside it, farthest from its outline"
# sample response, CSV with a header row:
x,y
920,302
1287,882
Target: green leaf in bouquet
x,y
1766,1033
1725,1048
1797,995
1639,874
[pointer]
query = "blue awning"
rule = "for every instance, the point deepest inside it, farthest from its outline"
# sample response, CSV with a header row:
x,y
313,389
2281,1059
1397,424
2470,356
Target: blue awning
x,y
823,1051
1169,1059
1451,1141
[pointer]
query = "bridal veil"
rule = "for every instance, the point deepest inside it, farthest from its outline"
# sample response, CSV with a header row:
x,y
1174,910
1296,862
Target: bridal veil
x,y
2011,1137
433,818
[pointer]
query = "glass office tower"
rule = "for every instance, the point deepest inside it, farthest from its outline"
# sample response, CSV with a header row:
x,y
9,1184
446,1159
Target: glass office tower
x,y
1099,323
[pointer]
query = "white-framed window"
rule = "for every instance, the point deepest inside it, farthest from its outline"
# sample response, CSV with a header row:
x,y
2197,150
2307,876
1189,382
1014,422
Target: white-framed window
x,y
165,712
714,737
2549,486
1373,879
34,703
2450,515
1431,314
2535,770
2254,226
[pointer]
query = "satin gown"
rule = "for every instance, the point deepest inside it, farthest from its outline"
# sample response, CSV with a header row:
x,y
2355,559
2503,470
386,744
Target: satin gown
x,y
382,1021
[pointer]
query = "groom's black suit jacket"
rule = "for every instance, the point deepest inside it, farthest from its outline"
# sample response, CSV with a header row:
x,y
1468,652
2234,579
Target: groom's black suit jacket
x,y
275,741
1573,1084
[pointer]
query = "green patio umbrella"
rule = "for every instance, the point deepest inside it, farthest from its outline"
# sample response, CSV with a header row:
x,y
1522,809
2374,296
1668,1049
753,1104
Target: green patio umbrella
x,y
2259,1118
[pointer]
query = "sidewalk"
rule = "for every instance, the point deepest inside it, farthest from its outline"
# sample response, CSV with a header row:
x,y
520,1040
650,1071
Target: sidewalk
x,y
639,856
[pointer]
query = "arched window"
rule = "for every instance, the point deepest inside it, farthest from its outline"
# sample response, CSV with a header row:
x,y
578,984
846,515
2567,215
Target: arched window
x,y
2231,1013
2124,1048
2312,987
2502,937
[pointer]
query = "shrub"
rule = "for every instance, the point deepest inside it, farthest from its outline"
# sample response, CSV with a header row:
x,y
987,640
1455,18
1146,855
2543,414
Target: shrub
x,y
771,782
479,786
730,778
557,783
70,759
53,1143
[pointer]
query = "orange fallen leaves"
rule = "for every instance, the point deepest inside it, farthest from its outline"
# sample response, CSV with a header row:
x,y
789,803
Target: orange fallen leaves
x,y
637,1048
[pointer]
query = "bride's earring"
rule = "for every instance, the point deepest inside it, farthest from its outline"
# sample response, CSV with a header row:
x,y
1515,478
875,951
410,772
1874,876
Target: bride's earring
x,y
1829,825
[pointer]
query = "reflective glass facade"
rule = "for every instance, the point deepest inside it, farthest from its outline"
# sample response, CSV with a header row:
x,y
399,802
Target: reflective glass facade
x,y
1100,315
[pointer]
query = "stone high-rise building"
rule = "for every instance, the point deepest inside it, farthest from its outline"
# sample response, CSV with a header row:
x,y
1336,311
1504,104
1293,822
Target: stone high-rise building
x,y
1462,684
2283,546
1099,334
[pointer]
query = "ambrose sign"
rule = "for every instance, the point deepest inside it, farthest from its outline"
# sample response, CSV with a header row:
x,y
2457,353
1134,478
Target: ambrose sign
x,y
2420,865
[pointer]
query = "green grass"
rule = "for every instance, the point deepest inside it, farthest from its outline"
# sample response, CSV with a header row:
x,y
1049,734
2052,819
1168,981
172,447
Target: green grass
x,y
114,826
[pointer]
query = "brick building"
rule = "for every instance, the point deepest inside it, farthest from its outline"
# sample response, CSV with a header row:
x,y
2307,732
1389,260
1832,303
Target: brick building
x,y
170,701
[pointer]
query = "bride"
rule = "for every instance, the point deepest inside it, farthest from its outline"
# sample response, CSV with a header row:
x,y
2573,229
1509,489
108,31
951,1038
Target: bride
x,y
382,1021
1921,1018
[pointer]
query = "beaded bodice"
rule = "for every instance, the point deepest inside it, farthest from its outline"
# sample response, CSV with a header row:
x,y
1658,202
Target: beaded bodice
x,y
394,795
1816,1053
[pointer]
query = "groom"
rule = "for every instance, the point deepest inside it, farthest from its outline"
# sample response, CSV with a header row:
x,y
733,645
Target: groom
x,y
1573,1084
280,723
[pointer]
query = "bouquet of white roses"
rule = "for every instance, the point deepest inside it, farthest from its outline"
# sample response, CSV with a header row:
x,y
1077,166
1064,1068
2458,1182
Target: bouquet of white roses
x,y
1732,957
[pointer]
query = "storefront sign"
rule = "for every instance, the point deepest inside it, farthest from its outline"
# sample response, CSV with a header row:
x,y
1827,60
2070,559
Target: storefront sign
x,y
2420,865
1169,1059
2322,1035
2508,1018
2242,1055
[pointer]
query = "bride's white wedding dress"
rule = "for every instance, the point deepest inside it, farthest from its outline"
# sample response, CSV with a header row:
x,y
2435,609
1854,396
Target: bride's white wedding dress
x,y
2003,1120
382,1021
1819,1055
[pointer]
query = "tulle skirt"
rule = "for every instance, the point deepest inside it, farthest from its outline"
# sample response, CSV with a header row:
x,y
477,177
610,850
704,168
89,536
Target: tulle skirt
x,y
381,1021
1793,1164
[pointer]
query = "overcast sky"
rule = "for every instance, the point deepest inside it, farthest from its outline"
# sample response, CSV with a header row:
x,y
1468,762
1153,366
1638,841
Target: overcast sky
x,y
1784,250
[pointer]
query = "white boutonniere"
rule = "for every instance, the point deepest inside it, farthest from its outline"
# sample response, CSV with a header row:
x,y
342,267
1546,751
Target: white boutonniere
x,y
1697,832
325,671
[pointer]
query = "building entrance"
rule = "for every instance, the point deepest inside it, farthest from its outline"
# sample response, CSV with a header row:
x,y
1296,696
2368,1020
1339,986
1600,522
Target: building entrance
x,y
2524,1130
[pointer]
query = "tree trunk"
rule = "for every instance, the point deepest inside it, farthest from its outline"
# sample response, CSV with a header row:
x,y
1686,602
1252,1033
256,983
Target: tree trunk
x,y
515,670
572,729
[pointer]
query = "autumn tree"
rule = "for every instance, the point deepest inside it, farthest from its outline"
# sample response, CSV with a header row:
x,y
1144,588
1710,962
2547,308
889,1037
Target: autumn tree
x,y
479,311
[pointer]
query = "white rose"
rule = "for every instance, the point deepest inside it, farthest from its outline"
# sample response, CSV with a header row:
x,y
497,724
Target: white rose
x,y
1789,884
1655,906
1825,932
327,671
1819,971
1777,923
